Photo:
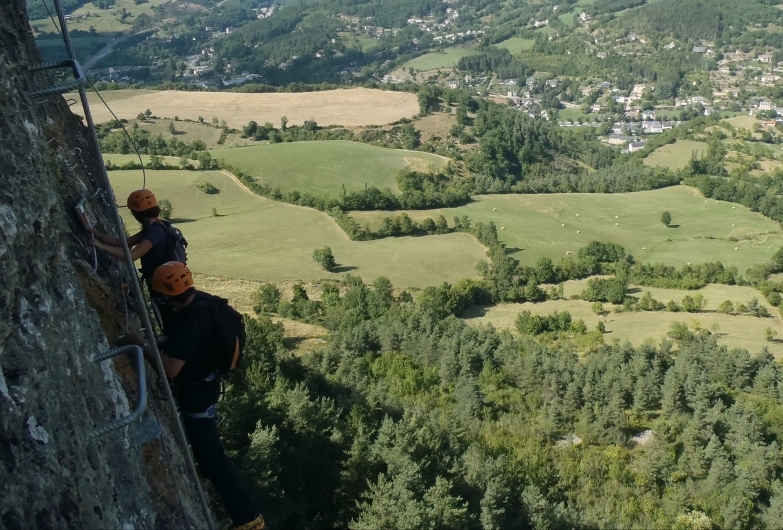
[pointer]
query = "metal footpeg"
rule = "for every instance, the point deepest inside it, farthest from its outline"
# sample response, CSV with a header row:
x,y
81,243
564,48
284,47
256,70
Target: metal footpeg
x,y
133,416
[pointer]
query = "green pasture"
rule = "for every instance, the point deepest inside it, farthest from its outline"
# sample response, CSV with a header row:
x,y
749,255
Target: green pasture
x,y
119,160
568,18
260,239
532,226
105,21
676,155
188,131
361,41
733,331
323,168
575,114
446,59
516,45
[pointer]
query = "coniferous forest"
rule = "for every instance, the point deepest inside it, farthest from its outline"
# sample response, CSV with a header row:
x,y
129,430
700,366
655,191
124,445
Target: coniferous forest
x,y
432,423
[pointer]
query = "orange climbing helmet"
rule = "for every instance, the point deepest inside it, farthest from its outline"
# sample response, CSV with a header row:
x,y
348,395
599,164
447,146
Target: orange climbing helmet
x,y
141,200
172,278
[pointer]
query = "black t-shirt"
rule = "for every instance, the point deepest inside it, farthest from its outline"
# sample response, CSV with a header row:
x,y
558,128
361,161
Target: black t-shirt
x,y
158,235
193,338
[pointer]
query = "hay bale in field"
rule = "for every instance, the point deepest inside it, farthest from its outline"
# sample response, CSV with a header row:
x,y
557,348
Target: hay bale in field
x,y
644,248
577,215
733,225
578,231
502,227
563,224
568,252
736,248
616,216
494,209
617,224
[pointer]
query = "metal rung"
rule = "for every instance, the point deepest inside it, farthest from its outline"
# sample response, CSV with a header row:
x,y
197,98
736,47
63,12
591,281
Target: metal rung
x,y
78,74
127,420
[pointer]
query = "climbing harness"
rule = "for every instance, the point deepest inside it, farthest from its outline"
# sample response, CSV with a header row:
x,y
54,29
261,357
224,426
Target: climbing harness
x,y
81,78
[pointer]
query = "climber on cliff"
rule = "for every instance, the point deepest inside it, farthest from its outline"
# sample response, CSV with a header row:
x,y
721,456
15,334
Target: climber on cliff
x,y
156,243
189,356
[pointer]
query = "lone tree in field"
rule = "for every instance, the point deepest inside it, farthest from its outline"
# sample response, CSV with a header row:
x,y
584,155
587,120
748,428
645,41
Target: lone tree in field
x,y
324,258
666,218
165,209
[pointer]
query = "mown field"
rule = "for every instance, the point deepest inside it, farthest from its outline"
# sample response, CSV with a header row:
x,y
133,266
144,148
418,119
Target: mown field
x,y
349,107
676,155
432,61
105,21
735,331
516,45
119,160
701,230
256,238
323,168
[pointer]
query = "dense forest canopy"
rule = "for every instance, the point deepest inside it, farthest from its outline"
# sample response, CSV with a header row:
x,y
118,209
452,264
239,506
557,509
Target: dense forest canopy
x,y
412,419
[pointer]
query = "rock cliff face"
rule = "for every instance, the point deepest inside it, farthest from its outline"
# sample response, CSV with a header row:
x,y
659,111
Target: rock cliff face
x,y
55,314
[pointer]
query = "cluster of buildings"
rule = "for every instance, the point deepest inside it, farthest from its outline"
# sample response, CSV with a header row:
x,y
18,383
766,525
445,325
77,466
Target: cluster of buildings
x,y
264,12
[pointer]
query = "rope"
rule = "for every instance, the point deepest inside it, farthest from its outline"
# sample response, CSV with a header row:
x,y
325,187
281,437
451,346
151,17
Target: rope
x,y
134,281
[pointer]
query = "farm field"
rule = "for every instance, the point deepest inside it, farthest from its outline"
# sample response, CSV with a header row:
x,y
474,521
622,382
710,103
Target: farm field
x,y
323,168
119,160
575,114
676,155
105,21
349,107
516,45
188,131
733,331
701,230
568,18
435,60
361,41
259,239
742,122
714,294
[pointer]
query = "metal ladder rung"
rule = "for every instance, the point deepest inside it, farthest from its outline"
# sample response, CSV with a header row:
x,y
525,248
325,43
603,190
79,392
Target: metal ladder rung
x,y
78,74
130,418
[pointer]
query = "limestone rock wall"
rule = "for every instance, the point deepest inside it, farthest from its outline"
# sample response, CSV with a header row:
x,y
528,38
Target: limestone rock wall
x,y
56,312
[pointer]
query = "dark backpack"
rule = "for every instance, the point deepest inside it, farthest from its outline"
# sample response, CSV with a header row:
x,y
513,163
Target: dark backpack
x,y
230,325
177,244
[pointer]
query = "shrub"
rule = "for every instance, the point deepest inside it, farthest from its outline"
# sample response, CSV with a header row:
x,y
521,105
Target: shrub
x,y
208,188
666,218
726,307
266,299
166,210
324,258
694,304
605,290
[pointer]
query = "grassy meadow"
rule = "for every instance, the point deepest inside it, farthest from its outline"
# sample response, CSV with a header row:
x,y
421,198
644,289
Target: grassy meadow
x,y
676,155
701,230
733,331
516,45
119,160
323,168
105,21
256,238
435,60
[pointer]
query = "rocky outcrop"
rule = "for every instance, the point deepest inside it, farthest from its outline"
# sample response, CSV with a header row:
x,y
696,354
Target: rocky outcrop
x,y
56,313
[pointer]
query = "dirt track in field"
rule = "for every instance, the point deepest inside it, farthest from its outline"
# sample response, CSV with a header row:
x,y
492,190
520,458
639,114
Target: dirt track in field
x,y
350,107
